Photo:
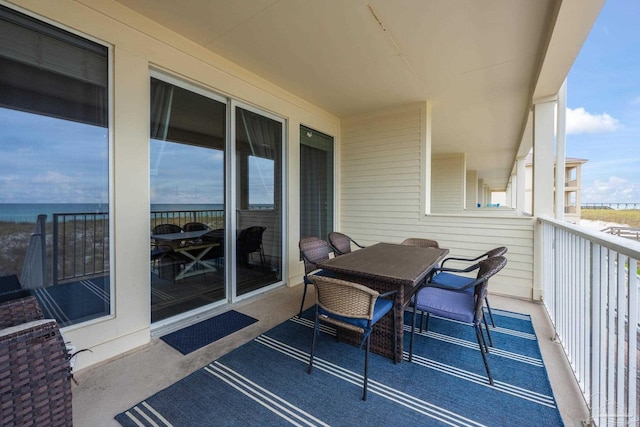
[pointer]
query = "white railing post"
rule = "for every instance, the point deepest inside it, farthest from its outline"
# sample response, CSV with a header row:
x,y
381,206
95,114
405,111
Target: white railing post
x,y
591,293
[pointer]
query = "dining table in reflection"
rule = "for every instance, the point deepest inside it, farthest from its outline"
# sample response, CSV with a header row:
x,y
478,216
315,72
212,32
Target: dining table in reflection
x,y
193,248
386,267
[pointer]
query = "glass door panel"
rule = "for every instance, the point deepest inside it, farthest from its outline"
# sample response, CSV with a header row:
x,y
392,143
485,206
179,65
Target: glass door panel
x,y
258,190
187,147
316,183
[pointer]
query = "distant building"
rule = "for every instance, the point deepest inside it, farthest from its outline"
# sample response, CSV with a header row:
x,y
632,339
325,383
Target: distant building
x,y
572,187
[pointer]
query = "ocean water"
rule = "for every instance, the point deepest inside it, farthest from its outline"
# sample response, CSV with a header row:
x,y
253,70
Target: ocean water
x,y
28,212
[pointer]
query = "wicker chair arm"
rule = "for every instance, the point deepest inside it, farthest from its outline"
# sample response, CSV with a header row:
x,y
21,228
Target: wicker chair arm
x,y
19,311
35,351
460,259
389,293
456,270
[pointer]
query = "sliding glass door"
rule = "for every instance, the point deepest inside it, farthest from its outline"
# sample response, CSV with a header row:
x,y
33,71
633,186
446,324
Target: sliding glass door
x,y
258,193
216,206
187,151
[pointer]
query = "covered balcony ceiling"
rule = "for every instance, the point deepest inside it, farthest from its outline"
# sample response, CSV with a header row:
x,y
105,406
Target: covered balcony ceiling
x,y
479,63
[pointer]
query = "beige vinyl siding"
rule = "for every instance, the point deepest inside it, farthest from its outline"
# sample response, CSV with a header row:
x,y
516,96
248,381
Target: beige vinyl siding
x,y
472,191
379,166
379,195
448,173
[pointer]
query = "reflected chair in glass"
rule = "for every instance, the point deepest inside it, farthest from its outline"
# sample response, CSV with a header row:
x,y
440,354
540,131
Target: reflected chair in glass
x,y
217,252
460,305
249,242
341,243
195,226
353,307
164,259
446,279
313,250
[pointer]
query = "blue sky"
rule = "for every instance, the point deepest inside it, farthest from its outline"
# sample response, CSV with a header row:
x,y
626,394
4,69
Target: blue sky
x,y
603,101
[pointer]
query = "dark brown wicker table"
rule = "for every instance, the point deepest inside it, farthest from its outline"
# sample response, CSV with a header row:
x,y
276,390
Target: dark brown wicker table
x,y
386,267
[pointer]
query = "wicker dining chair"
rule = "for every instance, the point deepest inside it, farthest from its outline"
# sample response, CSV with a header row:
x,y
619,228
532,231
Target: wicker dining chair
x,y
341,243
459,305
423,243
448,279
353,307
313,250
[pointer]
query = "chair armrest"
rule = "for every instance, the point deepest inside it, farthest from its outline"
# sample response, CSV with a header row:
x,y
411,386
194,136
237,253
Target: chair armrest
x,y
456,270
461,259
34,365
19,311
358,244
386,294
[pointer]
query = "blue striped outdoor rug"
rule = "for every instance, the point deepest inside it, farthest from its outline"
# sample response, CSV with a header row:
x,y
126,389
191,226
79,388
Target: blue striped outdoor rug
x,y
265,382
75,302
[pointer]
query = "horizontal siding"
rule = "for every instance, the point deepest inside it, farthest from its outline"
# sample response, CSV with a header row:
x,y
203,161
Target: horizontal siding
x,y
379,199
472,190
447,183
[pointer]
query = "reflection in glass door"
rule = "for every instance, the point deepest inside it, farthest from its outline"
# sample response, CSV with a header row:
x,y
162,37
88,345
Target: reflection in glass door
x,y
258,195
316,183
187,147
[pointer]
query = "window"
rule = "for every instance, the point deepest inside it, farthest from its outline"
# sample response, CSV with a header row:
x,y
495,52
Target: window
x,y
54,174
261,174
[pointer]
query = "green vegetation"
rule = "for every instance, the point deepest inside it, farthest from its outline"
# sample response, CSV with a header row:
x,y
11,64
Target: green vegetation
x,y
630,217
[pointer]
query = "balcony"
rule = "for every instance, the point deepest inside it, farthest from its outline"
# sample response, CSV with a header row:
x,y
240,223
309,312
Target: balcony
x,y
106,390
587,326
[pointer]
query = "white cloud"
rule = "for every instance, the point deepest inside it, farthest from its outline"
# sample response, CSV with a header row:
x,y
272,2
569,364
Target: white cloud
x,y
581,121
52,177
613,190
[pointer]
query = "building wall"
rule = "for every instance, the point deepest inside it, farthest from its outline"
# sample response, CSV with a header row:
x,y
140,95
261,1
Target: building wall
x,y
471,202
380,193
448,180
138,45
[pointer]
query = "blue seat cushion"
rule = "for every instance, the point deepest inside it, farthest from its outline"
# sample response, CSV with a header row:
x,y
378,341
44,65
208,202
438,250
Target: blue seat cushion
x,y
382,307
452,281
325,273
445,303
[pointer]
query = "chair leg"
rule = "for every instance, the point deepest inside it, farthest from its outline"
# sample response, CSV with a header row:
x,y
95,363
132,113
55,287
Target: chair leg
x,y
304,295
486,326
313,343
366,371
493,322
483,346
413,332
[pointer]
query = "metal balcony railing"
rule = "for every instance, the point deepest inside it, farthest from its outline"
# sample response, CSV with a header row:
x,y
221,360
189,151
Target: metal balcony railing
x,y
80,246
591,293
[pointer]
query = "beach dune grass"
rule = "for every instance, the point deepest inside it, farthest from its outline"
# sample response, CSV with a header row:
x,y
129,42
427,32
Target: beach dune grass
x,y
629,217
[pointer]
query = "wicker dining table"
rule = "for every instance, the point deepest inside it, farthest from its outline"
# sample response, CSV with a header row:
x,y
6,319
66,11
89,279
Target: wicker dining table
x,y
386,267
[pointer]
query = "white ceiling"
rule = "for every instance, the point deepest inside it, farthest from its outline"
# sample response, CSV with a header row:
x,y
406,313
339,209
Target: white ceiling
x,y
477,62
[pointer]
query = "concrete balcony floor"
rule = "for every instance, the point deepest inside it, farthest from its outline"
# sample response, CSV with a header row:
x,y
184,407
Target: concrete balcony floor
x,y
104,391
